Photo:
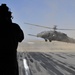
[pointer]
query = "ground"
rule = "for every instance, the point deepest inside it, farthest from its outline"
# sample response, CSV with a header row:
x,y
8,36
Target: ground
x,y
45,58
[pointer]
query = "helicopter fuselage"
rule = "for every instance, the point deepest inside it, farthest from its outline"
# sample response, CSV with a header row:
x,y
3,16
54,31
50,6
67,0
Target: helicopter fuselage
x,y
53,35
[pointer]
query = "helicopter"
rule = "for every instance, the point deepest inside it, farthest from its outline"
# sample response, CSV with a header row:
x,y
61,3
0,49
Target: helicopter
x,y
53,35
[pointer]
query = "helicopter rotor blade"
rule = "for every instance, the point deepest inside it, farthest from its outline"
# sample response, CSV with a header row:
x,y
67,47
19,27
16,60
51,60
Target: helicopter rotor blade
x,y
46,27
38,25
65,29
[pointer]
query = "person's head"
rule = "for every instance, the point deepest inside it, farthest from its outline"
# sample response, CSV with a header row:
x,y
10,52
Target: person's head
x,y
4,12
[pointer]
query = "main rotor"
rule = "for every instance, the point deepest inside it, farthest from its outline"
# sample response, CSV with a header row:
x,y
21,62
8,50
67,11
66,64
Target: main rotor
x,y
54,28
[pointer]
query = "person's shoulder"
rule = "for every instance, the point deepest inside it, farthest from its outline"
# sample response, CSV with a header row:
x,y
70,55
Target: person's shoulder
x,y
15,25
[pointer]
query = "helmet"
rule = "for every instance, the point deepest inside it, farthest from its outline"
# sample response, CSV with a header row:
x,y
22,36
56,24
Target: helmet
x,y
4,11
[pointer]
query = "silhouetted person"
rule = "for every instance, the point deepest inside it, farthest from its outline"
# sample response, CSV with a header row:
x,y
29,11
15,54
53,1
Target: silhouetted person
x,y
10,35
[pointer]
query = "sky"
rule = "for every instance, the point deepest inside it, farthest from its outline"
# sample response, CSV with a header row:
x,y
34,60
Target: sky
x,y
42,12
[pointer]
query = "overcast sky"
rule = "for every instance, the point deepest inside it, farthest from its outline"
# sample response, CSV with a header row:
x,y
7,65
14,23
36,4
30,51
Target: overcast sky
x,y
43,12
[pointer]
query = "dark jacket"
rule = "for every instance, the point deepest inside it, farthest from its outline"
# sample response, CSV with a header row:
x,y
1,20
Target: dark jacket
x,y
10,35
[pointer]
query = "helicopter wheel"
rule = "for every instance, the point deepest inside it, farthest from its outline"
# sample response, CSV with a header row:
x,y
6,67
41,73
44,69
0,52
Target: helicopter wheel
x,y
50,40
45,40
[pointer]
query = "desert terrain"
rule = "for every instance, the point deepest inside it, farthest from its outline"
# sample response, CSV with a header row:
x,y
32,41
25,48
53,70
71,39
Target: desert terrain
x,y
47,58
41,46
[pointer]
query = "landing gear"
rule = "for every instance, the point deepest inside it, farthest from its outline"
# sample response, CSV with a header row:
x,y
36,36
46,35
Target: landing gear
x,y
45,40
50,40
